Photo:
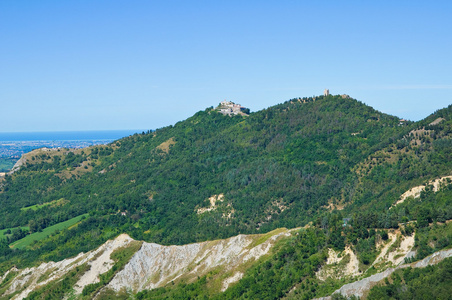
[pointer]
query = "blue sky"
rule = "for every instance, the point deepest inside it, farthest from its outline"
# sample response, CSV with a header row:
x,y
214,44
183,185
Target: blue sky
x,y
100,65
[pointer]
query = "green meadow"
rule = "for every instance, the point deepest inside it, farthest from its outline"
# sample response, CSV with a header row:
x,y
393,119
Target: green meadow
x,y
26,241
58,202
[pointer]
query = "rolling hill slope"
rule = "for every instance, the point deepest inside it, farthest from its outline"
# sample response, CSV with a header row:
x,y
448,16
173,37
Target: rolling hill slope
x,y
329,161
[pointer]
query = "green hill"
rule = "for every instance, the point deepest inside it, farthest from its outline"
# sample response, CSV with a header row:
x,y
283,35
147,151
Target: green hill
x,y
284,166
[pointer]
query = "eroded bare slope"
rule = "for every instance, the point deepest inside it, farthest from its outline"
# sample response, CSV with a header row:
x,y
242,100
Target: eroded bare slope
x,y
152,265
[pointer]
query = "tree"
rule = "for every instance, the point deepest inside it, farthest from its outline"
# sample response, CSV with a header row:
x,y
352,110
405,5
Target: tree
x,y
33,226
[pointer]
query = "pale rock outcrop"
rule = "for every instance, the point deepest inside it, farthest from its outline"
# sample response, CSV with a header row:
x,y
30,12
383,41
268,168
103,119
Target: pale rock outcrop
x,y
388,256
234,278
398,256
352,268
359,288
22,160
13,269
437,121
382,257
212,200
416,191
100,261
31,278
155,265
332,267
152,265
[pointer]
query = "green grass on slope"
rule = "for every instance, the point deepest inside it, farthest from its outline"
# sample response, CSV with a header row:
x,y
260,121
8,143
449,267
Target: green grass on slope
x,y
61,201
37,236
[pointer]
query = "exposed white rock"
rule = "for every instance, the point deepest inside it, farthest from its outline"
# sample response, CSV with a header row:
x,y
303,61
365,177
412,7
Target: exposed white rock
x,y
437,183
332,267
234,278
155,265
352,268
100,261
150,267
432,259
359,288
24,158
13,269
398,256
437,121
212,200
146,270
415,192
333,257
30,278
388,256
395,255
382,257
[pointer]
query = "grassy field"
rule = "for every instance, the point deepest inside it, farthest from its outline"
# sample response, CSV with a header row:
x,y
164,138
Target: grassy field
x,y
59,202
22,243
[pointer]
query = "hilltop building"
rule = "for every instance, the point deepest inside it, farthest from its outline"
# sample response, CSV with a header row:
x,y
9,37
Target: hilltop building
x,y
230,108
326,92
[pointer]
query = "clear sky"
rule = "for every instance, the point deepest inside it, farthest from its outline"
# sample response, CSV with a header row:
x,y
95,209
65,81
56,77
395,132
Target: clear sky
x,y
109,64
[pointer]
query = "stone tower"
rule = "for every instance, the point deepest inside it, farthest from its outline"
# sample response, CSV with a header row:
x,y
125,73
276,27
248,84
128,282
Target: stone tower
x,y
326,92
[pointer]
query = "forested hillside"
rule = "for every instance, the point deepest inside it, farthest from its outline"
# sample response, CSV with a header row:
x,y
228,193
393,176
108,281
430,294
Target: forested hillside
x,y
319,160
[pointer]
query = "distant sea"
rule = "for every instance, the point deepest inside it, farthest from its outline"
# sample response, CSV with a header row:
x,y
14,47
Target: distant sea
x,y
66,135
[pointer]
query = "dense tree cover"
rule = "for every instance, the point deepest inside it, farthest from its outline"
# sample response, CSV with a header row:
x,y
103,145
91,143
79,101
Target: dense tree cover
x,y
430,207
279,167
432,238
423,154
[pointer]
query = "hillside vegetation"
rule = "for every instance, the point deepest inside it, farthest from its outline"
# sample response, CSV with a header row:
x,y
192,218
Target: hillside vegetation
x,y
332,162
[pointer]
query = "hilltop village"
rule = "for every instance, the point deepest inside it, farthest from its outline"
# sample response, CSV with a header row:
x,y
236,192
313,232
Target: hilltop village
x,y
229,108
